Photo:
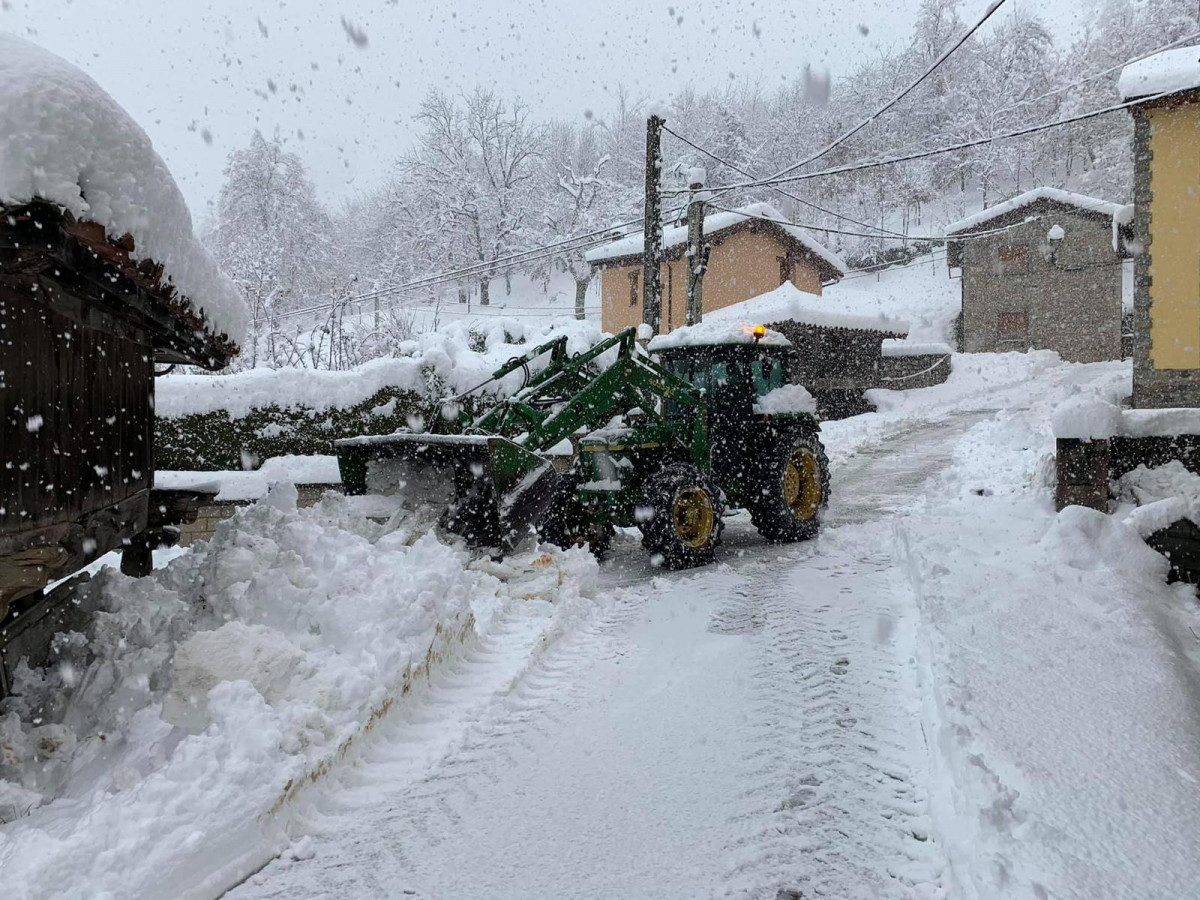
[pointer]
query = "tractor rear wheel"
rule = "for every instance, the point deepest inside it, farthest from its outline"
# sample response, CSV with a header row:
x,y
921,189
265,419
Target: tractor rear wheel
x,y
567,523
793,490
685,516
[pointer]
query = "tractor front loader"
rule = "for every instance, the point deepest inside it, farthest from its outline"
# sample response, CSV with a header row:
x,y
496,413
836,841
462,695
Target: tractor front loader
x,y
666,440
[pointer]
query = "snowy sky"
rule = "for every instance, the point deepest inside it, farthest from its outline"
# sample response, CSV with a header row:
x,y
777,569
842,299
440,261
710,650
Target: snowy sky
x,y
187,69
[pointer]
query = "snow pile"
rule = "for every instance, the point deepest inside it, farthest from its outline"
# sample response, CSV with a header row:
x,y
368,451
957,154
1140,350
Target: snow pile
x,y
791,398
893,347
446,356
789,303
220,685
65,140
253,485
1087,417
1091,204
709,333
1163,495
1160,422
1163,73
677,236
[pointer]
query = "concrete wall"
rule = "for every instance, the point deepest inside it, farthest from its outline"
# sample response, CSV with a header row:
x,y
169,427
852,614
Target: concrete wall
x,y
1166,310
1071,299
744,263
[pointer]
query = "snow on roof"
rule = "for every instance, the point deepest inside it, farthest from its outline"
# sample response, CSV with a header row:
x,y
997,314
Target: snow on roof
x,y
66,141
1092,204
1163,73
634,244
708,334
787,302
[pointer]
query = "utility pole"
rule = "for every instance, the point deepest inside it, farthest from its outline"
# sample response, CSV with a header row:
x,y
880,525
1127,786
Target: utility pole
x,y
652,254
697,253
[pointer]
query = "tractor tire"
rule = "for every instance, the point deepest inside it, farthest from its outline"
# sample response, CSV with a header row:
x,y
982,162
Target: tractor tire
x,y
684,527
793,481
566,523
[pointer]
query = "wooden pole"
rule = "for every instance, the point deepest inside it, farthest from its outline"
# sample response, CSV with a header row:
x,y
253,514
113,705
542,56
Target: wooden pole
x,y
697,259
652,254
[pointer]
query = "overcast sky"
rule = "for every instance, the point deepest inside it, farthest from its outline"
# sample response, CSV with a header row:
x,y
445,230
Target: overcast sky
x,y
201,75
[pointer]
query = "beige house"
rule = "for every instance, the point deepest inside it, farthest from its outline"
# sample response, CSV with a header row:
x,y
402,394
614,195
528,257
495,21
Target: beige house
x,y
1165,227
754,250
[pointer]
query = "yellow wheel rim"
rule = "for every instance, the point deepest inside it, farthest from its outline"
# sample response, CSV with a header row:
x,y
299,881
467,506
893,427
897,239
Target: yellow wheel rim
x,y
693,516
802,484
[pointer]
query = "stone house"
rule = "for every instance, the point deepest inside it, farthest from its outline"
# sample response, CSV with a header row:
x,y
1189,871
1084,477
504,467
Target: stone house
x,y
1040,272
754,250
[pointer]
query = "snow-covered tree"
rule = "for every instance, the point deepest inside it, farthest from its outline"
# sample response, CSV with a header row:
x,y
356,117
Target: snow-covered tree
x,y
272,236
471,171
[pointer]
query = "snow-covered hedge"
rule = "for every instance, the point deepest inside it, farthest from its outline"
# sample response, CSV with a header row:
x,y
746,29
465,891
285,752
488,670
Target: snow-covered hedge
x,y
154,751
218,422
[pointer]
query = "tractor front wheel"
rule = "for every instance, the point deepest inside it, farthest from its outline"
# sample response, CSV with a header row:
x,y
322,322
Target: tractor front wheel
x,y
568,525
683,516
792,490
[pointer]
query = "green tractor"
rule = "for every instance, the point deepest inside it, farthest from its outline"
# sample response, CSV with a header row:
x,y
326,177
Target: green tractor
x,y
666,438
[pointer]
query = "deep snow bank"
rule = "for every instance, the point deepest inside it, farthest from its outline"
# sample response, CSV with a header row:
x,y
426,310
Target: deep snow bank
x,y
223,684
1061,674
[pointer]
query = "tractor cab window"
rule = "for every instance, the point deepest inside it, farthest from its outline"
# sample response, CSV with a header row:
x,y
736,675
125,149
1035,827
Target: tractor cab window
x,y
709,376
767,374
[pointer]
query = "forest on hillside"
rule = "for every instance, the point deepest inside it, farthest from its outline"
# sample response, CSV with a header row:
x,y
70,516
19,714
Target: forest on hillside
x,y
487,188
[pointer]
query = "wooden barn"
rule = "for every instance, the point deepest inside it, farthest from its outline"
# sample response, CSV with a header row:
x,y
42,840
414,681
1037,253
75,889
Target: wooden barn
x,y
82,329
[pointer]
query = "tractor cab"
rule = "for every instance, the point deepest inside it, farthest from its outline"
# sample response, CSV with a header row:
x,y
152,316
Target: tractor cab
x,y
729,370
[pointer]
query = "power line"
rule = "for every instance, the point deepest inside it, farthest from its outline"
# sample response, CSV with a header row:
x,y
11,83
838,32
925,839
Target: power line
x,y
965,145
780,190
497,265
1102,73
931,238
845,136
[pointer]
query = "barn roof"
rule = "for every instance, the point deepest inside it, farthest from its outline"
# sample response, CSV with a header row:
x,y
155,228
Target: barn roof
x,y
755,215
787,303
714,334
1168,72
65,141
1054,195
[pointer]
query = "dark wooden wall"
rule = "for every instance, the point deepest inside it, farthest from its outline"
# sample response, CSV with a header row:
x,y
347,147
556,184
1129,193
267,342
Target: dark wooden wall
x,y
89,376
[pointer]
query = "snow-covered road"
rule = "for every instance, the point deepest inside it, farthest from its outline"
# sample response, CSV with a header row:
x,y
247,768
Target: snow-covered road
x,y
749,730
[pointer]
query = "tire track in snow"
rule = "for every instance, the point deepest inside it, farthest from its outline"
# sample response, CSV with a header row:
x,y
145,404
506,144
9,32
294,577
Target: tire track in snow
x,y
836,806
380,834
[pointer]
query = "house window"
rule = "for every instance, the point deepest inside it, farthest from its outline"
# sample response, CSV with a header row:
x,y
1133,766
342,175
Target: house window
x,y
633,288
785,269
1012,258
1012,327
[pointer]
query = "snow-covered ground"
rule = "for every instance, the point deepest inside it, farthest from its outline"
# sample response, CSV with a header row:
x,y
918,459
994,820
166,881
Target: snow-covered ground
x,y
922,293
953,692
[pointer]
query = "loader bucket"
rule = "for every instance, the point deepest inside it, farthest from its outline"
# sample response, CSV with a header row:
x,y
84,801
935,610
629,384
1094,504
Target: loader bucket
x,y
490,488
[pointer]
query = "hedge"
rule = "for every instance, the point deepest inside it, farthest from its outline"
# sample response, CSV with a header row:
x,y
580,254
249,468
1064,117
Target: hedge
x,y
214,441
